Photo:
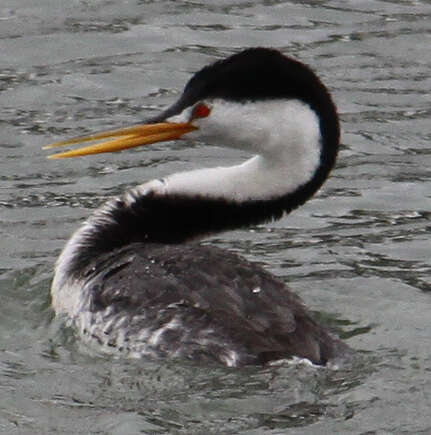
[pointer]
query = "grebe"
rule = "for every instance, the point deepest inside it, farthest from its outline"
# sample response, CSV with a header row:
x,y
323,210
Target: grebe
x,y
134,278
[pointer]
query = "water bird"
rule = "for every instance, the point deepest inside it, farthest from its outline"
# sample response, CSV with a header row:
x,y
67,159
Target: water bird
x,y
135,279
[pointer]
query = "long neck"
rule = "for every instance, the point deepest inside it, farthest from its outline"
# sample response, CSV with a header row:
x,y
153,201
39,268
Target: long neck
x,y
194,204
159,212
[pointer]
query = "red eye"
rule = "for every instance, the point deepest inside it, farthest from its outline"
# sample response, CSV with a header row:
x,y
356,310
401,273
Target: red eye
x,y
201,110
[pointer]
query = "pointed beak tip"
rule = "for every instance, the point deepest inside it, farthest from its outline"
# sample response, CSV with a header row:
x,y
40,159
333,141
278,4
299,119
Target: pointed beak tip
x,y
117,140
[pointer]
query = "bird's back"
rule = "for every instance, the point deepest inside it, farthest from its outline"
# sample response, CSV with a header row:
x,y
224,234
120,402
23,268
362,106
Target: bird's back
x,y
197,302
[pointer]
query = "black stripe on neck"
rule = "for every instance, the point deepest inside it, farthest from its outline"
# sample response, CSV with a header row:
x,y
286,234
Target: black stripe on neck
x,y
173,219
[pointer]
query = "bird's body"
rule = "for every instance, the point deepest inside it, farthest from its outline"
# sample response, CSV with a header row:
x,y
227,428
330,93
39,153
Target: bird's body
x,y
135,279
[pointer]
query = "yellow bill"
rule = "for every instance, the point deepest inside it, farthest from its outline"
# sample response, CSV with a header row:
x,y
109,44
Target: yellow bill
x,y
117,140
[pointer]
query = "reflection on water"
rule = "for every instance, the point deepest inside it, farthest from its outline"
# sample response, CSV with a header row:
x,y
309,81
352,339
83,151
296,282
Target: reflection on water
x,y
358,253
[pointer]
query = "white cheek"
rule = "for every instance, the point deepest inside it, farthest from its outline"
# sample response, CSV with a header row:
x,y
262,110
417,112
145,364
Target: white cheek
x,y
232,125
266,127
184,116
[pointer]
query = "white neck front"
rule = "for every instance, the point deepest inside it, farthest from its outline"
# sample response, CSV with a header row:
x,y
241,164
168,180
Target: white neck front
x,y
286,135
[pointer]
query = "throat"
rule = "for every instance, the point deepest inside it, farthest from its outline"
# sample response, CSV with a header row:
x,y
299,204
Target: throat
x,y
254,179
258,179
